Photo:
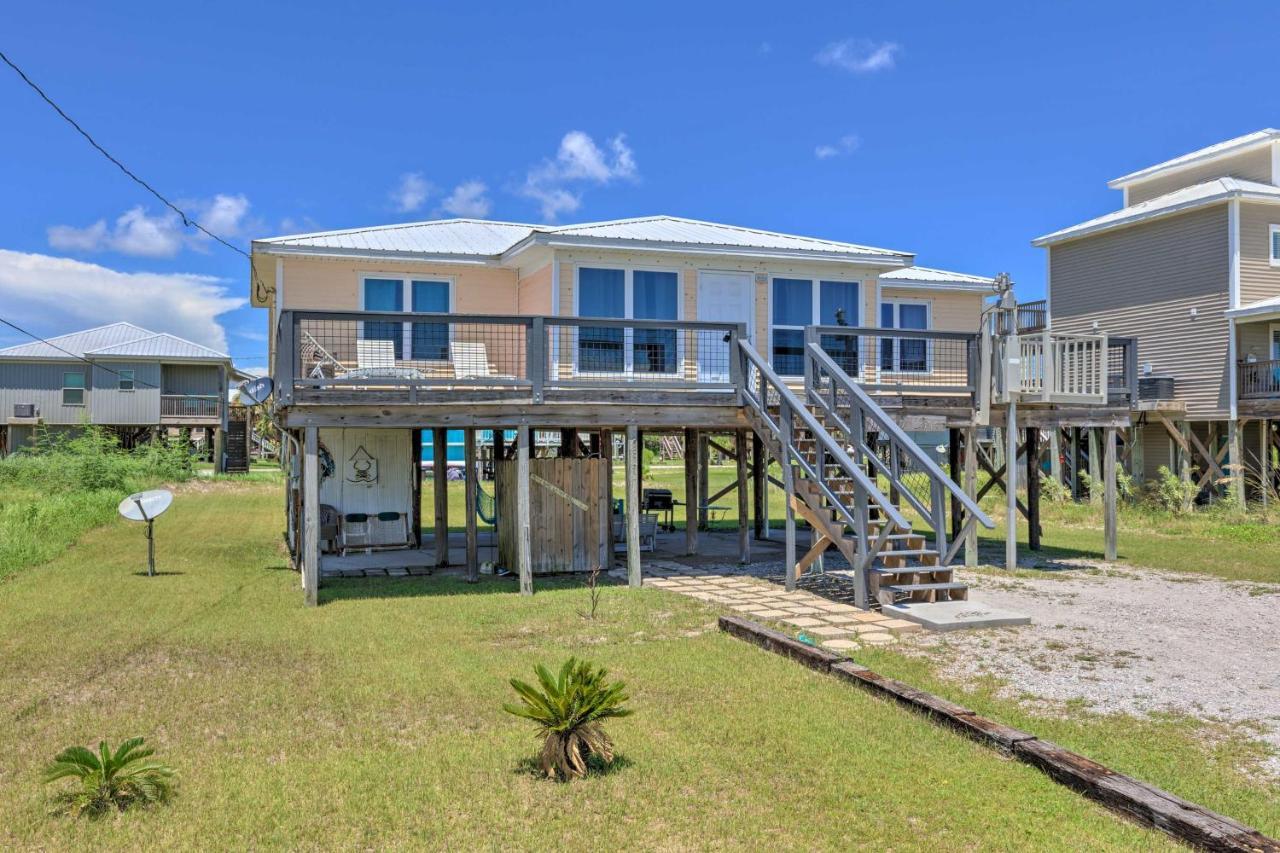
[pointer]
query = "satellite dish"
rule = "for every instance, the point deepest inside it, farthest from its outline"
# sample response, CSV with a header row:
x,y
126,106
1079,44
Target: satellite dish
x,y
147,506
256,391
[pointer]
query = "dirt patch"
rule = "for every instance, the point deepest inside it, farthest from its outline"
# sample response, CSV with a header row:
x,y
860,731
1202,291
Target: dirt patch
x,y
1130,640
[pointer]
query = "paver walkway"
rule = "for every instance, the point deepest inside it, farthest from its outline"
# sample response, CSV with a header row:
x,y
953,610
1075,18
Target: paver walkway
x,y
827,622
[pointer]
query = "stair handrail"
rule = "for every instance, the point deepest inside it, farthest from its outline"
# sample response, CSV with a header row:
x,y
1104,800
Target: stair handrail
x,y
832,448
838,377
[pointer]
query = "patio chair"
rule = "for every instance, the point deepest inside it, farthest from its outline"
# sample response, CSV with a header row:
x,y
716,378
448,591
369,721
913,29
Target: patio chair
x,y
390,530
470,360
319,359
375,353
355,532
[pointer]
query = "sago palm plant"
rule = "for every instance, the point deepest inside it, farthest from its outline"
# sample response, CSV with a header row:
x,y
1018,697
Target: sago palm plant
x,y
568,710
110,779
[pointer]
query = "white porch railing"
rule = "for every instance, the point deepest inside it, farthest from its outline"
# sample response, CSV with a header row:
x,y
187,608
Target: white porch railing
x,y
1060,368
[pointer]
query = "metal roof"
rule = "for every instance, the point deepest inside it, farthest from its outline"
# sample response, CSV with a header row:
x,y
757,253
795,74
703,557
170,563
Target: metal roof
x,y
476,237
115,341
1212,152
481,239
937,278
1187,198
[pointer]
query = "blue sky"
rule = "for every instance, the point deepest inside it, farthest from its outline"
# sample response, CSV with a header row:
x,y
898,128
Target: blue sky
x,y
956,131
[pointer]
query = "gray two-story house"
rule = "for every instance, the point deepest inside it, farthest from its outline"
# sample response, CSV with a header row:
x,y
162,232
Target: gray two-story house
x,y
134,381
1190,267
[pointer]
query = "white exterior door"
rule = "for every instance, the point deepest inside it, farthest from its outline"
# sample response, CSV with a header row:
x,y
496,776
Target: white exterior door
x,y
723,297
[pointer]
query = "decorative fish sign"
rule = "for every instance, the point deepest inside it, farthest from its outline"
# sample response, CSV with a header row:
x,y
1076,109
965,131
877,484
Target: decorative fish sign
x,y
362,468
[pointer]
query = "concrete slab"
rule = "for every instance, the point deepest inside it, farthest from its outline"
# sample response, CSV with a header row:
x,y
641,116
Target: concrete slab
x,y
955,615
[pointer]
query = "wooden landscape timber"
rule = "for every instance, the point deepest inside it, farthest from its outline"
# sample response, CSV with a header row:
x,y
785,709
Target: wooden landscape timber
x,y
1132,798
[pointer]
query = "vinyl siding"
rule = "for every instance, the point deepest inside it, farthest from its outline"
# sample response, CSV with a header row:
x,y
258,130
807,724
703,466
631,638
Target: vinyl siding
x,y
1157,450
1255,339
334,284
1258,278
1251,166
41,383
196,379
109,405
1143,282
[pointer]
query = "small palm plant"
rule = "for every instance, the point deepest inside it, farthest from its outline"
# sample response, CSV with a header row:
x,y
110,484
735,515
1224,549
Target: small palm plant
x,y
568,711
110,779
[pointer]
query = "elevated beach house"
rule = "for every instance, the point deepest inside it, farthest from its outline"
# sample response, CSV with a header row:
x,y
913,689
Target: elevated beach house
x,y
549,341
134,381
1189,266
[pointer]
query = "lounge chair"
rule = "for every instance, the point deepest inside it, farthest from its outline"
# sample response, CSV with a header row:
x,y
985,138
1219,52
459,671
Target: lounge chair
x,y
321,362
375,354
470,360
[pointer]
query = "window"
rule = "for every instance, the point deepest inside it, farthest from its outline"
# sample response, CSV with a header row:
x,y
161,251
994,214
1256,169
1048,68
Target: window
x,y
628,294
125,380
73,388
421,341
1275,245
800,302
904,355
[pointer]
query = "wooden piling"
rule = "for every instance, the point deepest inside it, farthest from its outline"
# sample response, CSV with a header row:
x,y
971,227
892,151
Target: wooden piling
x,y
633,506
311,516
524,544
440,479
691,497
472,486
744,531
1109,522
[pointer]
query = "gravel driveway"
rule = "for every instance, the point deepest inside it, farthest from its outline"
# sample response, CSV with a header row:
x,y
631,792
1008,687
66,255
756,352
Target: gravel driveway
x,y
1130,640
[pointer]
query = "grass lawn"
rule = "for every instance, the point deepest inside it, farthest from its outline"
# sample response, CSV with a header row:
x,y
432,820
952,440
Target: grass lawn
x,y
374,721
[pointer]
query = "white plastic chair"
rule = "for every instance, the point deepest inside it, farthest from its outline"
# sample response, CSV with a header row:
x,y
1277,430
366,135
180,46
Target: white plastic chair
x,y
375,354
470,360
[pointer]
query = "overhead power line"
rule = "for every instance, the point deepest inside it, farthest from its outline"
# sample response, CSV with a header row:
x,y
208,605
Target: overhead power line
x,y
76,356
188,221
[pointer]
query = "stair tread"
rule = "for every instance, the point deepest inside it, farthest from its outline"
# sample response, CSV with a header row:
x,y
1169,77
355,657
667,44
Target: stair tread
x,y
910,552
922,587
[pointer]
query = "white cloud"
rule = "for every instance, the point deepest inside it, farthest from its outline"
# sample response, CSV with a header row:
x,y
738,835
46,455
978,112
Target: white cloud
x,y
847,144
412,192
138,232
554,183
60,295
468,200
859,56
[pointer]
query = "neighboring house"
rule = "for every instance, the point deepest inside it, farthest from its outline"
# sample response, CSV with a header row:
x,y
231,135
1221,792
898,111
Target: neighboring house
x,y
1190,267
120,376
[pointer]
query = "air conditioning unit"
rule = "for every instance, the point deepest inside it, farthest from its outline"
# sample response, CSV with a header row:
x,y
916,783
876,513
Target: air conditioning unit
x,y
24,410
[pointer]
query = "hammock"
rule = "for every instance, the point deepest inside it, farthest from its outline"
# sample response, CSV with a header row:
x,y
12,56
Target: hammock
x,y
486,507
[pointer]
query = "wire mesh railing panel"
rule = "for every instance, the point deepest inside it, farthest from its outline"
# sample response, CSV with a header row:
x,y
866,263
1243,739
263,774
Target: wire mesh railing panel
x,y
902,360
617,353
399,349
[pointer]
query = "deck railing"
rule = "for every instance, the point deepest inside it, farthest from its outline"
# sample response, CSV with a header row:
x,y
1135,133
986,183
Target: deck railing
x,y
900,361
1055,367
1122,371
515,355
190,406
1027,317
1258,379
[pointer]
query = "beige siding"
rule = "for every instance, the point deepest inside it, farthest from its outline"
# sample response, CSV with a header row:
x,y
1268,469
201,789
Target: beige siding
x,y
1157,450
1255,339
534,292
325,284
1252,166
1258,278
1143,282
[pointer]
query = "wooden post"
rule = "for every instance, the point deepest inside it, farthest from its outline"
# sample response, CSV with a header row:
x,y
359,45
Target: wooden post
x,y
1011,488
311,517
744,532
704,479
1033,488
606,454
499,444
633,506
1055,454
440,479
953,471
971,489
473,484
1109,490
569,443
759,485
1137,460
691,498
524,545
789,496
415,513
1184,459
1236,471
1095,467
1264,460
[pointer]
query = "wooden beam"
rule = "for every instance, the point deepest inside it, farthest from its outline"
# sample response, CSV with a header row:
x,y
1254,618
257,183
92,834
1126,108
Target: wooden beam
x,y
1264,461
704,479
311,516
606,454
821,543
472,487
712,443
759,483
633,507
953,471
1109,522
1235,444
1095,467
744,532
971,489
691,500
415,513
568,443
1032,449
440,478
524,544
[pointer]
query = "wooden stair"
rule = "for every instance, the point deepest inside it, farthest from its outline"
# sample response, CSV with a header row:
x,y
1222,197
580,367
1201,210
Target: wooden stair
x,y
907,569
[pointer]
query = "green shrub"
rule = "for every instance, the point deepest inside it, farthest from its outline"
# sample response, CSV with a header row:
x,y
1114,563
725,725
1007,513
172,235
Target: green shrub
x,y
110,780
1054,491
1171,493
568,711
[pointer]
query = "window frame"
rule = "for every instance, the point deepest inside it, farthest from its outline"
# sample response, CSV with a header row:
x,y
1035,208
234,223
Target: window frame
x,y
628,310
896,303
84,383
121,379
404,352
1273,244
815,307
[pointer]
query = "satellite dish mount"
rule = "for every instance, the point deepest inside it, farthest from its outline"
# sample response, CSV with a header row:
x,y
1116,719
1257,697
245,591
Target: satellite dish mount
x,y
147,506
